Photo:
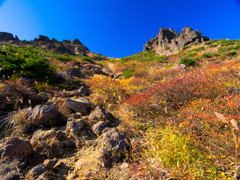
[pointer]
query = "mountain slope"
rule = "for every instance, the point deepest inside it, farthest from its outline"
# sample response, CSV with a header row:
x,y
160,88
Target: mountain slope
x,y
146,116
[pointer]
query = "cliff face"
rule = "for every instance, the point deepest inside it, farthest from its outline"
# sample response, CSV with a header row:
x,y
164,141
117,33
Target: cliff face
x,y
169,41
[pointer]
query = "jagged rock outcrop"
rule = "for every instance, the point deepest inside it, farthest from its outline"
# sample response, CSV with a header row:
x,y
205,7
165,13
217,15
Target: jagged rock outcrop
x,y
4,36
169,41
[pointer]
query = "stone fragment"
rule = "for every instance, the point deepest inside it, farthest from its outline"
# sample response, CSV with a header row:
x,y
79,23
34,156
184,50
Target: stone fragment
x,y
81,105
75,126
99,127
13,146
50,163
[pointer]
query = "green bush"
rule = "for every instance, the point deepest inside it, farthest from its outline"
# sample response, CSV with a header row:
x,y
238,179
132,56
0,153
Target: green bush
x,y
207,55
187,61
185,47
128,73
64,58
192,54
232,53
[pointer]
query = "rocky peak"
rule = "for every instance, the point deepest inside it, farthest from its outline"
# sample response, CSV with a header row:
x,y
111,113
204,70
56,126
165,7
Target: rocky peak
x,y
4,36
169,41
42,38
76,41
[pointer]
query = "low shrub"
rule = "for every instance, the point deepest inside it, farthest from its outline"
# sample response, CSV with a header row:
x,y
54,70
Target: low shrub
x,y
187,61
207,55
128,73
232,53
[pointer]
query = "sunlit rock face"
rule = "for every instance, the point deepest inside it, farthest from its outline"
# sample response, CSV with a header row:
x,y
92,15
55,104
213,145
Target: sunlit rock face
x,y
168,41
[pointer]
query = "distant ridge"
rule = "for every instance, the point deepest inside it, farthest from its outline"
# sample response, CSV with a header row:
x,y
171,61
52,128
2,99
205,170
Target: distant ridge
x,y
59,47
168,41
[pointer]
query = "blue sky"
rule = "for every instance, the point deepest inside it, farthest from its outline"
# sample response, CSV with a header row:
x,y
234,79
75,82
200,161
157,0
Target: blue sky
x,y
117,28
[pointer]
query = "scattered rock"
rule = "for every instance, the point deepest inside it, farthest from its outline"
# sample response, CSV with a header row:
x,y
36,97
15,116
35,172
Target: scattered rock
x,y
47,143
50,163
99,114
74,72
180,66
81,105
42,114
99,127
75,126
25,80
43,97
114,141
12,176
13,146
83,90
64,75
37,171
2,105
67,143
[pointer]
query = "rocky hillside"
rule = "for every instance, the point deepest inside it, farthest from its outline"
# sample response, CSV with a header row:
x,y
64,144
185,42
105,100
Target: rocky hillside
x,y
168,41
70,115
74,47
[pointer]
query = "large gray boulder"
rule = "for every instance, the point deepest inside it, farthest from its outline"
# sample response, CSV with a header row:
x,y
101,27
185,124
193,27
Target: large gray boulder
x,y
80,105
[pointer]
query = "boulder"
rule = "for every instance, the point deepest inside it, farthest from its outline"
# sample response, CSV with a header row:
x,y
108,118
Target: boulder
x,y
74,72
83,90
42,114
99,114
75,126
37,171
50,163
114,141
43,97
99,127
47,143
81,105
13,146
180,66
25,80
12,176
64,75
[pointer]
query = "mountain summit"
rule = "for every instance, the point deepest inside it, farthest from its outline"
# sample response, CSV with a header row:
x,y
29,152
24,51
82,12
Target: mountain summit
x,y
168,41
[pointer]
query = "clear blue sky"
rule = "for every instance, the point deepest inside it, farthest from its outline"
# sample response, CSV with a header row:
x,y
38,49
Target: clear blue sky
x,y
117,28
